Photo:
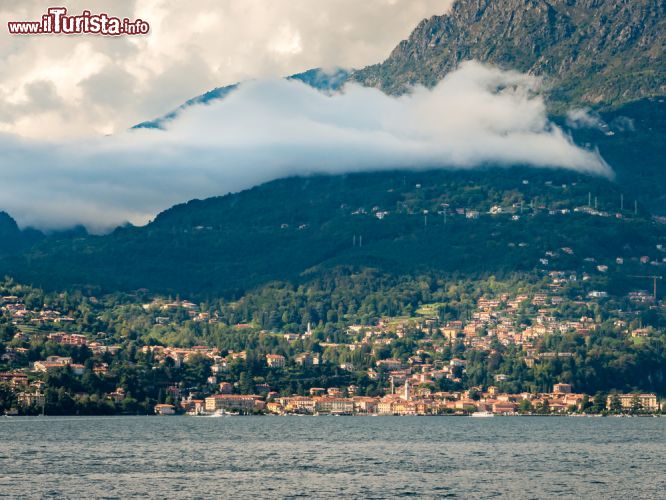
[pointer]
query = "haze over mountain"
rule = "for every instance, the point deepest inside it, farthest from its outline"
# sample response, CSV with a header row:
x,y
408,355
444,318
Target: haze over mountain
x,y
594,56
478,115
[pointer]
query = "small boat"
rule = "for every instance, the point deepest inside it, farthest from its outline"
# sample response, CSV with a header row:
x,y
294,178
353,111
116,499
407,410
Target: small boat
x,y
220,413
215,415
482,414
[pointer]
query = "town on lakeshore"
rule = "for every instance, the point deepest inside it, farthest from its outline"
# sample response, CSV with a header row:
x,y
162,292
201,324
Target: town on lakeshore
x,y
542,346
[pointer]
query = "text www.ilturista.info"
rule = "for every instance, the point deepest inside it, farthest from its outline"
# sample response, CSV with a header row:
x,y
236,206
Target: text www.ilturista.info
x,y
57,22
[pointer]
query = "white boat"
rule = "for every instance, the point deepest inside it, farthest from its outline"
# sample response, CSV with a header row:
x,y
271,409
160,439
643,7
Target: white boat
x,y
215,415
221,413
482,414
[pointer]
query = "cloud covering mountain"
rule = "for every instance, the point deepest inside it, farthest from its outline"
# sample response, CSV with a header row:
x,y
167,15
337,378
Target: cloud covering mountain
x,y
476,116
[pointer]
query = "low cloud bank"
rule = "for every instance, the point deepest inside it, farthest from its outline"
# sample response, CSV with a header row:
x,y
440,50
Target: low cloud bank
x,y
477,116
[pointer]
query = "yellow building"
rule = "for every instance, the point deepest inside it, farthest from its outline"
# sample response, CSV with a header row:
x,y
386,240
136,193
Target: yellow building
x,y
275,360
29,399
340,406
647,402
230,402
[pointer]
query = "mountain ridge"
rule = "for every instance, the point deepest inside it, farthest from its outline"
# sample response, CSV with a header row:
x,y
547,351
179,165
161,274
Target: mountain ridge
x,y
601,53
13,239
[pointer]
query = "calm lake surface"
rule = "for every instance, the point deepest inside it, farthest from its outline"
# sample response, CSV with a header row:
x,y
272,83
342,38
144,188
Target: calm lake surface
x,y
267,457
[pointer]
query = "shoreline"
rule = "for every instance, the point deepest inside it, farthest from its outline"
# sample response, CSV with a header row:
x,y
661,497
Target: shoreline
x,y
294,415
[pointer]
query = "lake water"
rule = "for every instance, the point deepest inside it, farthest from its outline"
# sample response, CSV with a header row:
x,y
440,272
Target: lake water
x,y
267,457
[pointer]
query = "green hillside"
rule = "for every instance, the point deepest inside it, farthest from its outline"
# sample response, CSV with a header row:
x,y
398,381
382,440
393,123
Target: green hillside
x,y
284,228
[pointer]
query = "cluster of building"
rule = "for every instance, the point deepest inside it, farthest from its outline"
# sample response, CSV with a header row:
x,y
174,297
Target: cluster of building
x,y
408,401
191,310
497,319
16,309
55,362
182,355
515,210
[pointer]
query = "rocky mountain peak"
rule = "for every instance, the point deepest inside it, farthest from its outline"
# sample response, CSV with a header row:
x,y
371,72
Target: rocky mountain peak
x,y
605,52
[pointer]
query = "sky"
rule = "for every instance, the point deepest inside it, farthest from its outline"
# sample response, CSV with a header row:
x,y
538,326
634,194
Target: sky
x,y
67,102
54,87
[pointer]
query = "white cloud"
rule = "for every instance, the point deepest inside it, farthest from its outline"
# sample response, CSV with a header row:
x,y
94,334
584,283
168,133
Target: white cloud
x,y
585,118
268,129
192,47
